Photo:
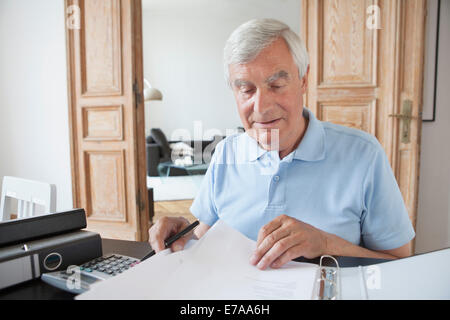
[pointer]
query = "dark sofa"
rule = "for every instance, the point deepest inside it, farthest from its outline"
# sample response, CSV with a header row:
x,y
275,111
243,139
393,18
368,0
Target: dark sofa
x,y
158,150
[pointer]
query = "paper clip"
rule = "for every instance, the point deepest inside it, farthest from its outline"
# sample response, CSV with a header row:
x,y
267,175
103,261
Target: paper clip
x,y
327,282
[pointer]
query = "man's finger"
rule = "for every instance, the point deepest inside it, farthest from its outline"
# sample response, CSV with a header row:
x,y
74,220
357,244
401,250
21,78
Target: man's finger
x,y
180,243
158,236
268,229
267,243
288,255
276,251
163,229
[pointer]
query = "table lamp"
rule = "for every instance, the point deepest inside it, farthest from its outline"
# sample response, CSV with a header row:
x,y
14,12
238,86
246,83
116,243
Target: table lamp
x,y
151,93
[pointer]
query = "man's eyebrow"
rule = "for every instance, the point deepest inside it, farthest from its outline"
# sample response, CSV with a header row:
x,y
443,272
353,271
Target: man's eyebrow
x,y
239,83
280,74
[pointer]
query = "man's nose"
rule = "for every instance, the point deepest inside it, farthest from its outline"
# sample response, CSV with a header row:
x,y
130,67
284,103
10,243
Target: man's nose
x,y
262,102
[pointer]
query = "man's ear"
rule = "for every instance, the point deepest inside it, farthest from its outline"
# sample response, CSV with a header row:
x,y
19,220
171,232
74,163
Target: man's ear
x,y
305,80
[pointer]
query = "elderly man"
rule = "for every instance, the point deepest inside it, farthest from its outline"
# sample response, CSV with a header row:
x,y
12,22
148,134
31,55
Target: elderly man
x,y
296,185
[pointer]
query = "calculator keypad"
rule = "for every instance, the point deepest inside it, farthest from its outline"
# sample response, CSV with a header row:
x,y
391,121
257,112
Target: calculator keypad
x,y
110,264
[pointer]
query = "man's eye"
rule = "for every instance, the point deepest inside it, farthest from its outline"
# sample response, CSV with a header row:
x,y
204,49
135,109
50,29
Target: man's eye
x,y
247,91
276,87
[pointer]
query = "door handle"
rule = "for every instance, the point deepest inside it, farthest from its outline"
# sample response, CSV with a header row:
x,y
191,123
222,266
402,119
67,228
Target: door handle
x,y
405,117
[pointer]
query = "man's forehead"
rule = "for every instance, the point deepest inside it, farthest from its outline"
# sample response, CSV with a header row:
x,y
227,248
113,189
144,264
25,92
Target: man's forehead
x,y
242,79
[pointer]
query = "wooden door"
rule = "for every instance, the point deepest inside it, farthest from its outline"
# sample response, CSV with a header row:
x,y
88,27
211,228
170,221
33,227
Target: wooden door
x,y
106,112
366,64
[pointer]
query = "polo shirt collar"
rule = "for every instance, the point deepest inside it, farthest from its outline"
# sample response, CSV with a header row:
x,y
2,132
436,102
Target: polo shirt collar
x,y
254,151
311,148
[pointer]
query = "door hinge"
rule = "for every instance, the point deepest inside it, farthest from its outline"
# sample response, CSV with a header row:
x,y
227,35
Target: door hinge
x,y
140,204
137,94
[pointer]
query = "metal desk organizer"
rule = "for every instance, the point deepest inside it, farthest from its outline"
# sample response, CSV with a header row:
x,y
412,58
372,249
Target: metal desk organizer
x,y
328,281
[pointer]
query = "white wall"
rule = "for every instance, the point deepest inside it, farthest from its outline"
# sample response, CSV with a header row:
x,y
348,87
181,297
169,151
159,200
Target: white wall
x,y
34,126
433,217
183,49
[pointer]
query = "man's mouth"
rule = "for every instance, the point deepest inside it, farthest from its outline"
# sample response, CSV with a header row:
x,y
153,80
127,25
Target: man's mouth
x,y
266,124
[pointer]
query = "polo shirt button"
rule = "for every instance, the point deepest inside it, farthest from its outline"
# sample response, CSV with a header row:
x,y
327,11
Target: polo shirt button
x,y
276,178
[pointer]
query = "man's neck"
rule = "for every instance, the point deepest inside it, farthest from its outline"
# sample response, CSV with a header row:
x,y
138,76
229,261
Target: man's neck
x,y
285,152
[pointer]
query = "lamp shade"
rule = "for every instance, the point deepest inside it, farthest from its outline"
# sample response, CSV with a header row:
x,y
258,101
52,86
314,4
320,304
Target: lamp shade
x,y
151,93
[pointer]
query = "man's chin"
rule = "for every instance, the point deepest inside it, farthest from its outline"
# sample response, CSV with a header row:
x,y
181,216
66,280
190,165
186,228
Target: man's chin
x,y
268,140
267,147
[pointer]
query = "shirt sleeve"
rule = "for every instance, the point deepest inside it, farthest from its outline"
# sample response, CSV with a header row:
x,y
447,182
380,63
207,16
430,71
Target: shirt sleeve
x,y
385,223
204,207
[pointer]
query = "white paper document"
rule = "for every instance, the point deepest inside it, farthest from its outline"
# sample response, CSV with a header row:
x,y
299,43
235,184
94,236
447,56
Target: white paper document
x,y
215,267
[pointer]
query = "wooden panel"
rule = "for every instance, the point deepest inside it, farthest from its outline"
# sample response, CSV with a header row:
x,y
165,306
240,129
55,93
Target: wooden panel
x,y
351,114
404,169
346,93
103,123
105,185
101,37
347,47
106,114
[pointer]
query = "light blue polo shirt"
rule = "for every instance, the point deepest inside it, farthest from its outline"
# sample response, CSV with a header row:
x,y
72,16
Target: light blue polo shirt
x,y
338,180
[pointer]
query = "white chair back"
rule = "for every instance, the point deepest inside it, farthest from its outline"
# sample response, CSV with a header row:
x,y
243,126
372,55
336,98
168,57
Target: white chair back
x,y
28,193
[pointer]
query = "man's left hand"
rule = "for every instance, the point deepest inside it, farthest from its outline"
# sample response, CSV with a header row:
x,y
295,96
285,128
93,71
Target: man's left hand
x,y
286,238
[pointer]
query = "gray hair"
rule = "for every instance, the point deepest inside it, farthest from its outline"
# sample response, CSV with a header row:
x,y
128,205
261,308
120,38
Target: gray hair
x,y
250,38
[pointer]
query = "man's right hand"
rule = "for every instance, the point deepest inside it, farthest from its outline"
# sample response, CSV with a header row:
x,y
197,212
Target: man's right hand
x,y
166,227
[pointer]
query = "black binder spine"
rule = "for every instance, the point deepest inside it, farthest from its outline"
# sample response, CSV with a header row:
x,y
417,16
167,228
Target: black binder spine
x,y
20,230
26,261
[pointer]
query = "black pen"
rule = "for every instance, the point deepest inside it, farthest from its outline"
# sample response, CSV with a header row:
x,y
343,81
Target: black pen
x,y
173,238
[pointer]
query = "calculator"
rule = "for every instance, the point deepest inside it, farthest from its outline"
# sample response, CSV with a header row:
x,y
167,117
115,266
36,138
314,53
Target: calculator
x,y
78,279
